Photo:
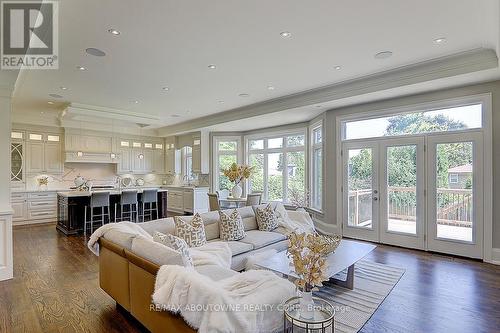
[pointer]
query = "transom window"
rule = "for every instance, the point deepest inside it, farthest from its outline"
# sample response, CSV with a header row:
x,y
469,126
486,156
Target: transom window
x,y
432,121
279,167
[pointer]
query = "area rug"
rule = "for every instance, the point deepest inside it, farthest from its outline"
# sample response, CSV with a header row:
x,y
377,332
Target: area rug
x,y
372,283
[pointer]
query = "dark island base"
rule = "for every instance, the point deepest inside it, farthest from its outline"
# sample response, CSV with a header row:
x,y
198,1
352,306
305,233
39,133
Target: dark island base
x,y
71,211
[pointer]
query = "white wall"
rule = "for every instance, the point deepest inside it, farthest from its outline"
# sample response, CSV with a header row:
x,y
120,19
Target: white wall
x,y
6,263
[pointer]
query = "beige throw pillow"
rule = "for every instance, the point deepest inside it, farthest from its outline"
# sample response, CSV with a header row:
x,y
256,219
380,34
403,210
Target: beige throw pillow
x,y
231,226
192,231
266,219
176,244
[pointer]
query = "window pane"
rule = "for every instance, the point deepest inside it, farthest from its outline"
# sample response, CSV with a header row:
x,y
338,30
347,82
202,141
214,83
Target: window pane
x,y
148,145
257,179
225,162
16,135
359,184
228,145
136,145
454,199
53,138
402,189
124,143
317,190
295,140
275,143
256,144
275,177
296,179
317,135
35,137
451,119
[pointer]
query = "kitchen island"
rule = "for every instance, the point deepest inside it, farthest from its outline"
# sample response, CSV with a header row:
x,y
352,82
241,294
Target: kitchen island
x,y
71,207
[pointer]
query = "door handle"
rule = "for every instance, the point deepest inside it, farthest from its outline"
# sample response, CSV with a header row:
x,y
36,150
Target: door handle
x,y
375,198
375,191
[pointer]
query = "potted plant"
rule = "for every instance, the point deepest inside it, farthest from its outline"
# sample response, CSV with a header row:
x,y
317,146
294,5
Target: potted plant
x,y
236,174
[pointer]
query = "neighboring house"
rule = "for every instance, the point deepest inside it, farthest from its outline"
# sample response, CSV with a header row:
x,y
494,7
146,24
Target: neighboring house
x,y
460,177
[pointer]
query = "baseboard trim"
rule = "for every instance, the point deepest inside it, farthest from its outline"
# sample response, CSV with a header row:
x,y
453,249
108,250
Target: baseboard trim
x,y
495,256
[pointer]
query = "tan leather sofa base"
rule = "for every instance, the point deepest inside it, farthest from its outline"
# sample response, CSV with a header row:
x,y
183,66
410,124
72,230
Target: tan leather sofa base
x,y
129,280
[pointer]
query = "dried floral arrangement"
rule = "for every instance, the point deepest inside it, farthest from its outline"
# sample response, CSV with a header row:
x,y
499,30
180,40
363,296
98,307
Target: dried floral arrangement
x,y
237,173
308,253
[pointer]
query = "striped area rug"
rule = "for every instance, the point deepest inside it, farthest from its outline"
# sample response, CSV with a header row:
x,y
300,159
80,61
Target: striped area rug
x,y
372,283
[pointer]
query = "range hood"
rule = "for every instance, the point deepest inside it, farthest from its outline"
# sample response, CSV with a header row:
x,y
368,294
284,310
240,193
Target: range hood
x,y
84,157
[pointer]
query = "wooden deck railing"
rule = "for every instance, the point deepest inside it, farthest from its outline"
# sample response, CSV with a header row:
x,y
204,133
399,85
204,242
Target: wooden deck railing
x,y
454,205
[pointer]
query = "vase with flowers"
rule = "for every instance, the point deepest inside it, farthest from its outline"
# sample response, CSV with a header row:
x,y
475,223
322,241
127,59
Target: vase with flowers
x,y
236,174
43,183
308,254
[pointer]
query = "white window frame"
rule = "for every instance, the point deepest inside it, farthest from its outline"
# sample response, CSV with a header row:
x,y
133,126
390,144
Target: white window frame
x,y
487,124
216,153
284,150
312,174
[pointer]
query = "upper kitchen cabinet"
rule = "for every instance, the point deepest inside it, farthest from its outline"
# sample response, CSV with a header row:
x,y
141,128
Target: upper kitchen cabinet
x,y
172,157
201,157
88,143
43,153
140,157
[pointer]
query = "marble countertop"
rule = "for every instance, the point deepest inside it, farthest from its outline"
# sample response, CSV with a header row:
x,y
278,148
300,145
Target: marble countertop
x,y
180,187
72,194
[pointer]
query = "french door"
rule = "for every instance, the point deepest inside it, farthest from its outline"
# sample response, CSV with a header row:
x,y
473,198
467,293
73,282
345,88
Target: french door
x,y
455,211
422,192
383,191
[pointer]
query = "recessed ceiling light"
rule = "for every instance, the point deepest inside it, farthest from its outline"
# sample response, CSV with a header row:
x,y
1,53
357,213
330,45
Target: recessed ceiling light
x,y
221,102
212,66
55,95
114,32
243,95
383,55
81,68
95,52
270,87
285,34
175,116
136,102
440,40
337,68
41,112
64,88
165,88
50,102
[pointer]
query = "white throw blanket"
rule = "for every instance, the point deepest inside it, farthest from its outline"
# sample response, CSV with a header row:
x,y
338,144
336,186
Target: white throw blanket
x,y
125,227
295,221
213,253
245,302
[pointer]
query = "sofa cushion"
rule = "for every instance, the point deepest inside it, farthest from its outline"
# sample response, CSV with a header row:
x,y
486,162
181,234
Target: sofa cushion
x,y
215,272
165,226
260,239
121,238
239,247
266,218
211,221
231,226
191,229
175,243
156,252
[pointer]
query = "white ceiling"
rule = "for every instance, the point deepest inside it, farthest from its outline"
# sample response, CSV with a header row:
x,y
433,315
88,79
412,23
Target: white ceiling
x,y
171,43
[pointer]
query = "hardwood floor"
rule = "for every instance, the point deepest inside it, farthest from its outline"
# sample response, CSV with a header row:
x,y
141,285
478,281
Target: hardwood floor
x,y
56,289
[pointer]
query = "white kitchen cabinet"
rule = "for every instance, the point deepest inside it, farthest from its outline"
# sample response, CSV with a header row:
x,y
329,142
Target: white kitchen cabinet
x,y
137,161
175,201
125,161
44,156
173,161
187,199
201,155
147,160
158,161
34,207
88,143
53,158
20,210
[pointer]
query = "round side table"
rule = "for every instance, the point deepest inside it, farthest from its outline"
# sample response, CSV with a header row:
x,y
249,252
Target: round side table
x,y
322,321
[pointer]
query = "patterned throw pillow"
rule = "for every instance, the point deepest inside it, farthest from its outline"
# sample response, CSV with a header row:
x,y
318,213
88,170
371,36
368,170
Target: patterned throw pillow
x,y
176,244
266,219
193,232
231,226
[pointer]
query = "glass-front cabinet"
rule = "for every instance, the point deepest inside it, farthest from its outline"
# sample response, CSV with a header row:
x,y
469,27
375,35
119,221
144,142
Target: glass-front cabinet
x,y
16,162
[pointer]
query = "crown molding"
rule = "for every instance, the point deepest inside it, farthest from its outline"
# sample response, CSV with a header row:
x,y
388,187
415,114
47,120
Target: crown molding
x,y
438,68
93,113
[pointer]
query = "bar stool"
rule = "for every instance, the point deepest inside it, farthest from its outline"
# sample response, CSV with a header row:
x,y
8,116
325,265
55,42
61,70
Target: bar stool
x,y
98,200
128,198
149,197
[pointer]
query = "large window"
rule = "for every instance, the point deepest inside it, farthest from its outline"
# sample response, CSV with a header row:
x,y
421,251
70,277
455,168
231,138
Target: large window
x,y
226,153
316,166
279,166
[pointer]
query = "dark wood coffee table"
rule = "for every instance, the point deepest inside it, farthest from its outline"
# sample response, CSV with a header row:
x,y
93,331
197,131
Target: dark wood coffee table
x,y
340,263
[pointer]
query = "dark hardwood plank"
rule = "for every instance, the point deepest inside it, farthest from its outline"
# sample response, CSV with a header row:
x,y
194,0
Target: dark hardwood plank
x,y
56,289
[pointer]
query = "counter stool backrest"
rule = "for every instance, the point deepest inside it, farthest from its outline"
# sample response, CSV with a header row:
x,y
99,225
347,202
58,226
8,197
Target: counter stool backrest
x,y
254,199
150,196
213,201
99,199
128,197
